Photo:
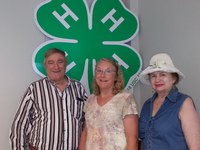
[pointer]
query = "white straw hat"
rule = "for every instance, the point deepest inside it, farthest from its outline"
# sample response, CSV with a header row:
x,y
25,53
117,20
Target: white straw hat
x,y
159,62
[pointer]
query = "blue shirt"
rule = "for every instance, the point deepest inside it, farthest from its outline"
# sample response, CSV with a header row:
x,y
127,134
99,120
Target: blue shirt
x,y
163,131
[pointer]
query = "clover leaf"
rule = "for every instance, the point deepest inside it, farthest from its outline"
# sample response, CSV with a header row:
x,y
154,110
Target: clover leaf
x,y
86,35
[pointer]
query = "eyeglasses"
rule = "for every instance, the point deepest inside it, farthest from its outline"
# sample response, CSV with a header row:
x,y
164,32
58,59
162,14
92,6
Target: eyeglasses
x,y
106,72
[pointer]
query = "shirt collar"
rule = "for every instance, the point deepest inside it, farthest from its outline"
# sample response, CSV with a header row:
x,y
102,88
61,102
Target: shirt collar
x,y
68,79
171,96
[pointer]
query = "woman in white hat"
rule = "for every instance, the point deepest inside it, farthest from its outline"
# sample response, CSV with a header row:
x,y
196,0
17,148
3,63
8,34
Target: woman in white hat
x,y
168,120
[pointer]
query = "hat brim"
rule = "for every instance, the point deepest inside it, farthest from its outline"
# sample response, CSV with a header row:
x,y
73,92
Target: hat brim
x,y
144,75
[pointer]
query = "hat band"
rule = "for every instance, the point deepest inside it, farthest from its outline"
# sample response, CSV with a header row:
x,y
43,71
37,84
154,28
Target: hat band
x,y
158,64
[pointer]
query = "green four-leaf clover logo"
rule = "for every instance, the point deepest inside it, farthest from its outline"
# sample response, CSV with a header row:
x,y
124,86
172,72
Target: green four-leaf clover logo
x,y
86,35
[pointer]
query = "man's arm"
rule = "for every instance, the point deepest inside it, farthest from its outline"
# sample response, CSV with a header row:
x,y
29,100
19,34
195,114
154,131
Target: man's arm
x,y
21,123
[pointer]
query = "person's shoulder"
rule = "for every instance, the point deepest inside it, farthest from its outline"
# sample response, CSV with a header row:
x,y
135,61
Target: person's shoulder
x,y
176,95
126,93
38,81
91,97
73,81
147,102
183,96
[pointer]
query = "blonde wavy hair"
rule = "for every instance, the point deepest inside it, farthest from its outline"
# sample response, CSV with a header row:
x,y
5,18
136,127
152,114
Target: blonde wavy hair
x,y
119,82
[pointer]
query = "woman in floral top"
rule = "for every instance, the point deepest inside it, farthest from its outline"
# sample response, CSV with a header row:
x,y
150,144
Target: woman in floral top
x,y
111,116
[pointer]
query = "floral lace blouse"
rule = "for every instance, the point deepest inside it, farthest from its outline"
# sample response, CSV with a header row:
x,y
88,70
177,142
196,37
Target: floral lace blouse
x,y
105,130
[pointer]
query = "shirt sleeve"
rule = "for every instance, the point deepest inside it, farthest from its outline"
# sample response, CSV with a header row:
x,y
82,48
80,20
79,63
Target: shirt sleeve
x,y
130,106
22,122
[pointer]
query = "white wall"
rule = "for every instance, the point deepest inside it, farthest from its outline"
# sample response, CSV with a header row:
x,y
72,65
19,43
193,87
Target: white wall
x,y
172,26
18,37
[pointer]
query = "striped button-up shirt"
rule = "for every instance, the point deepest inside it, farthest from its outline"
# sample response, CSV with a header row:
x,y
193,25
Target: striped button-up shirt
x,y
48,119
